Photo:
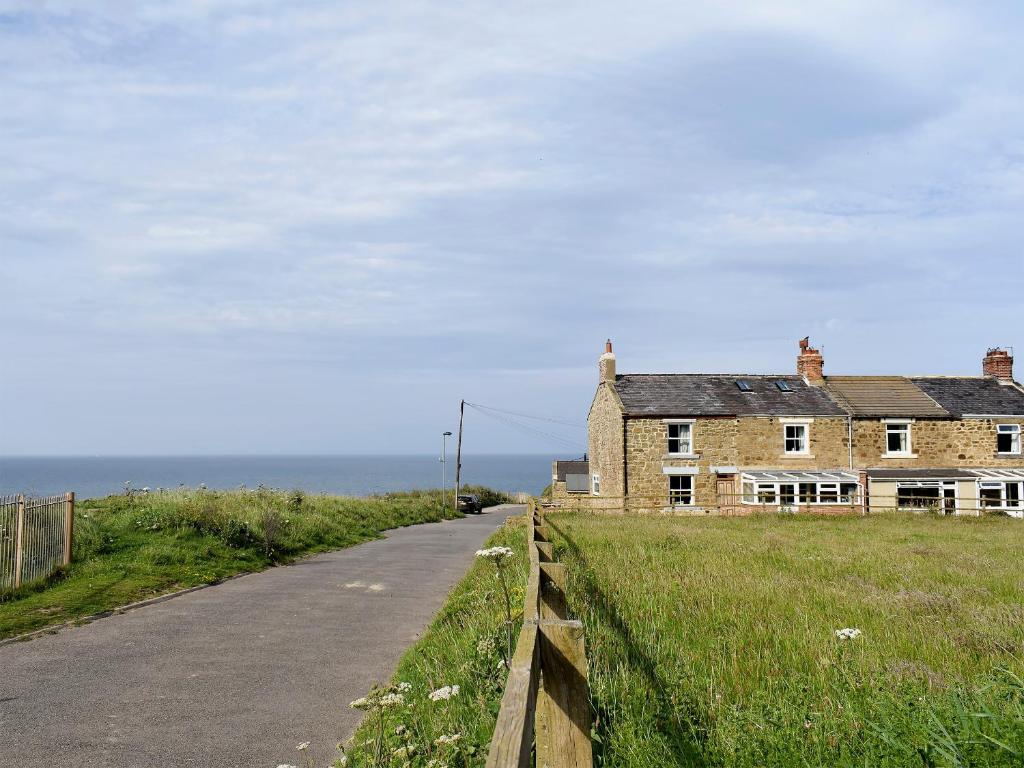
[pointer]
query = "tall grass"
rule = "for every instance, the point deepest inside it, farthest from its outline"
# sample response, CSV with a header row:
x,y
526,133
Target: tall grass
x,y
133,546
712,641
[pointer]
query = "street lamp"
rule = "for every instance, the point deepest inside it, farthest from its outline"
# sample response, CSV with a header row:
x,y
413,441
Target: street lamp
x,y
444,461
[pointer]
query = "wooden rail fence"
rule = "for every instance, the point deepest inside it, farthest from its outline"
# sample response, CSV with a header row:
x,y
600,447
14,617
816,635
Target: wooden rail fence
x,y
547,699
35,537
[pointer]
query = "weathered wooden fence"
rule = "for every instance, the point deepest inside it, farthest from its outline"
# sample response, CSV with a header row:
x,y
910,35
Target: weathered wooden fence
x,y
547,700
35,537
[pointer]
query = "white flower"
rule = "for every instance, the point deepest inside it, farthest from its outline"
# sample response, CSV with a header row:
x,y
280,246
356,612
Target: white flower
x,y
445,740
406,751
495,553
400,730
445,693
436,763
848,633
404,687
303,746
392,700
361,703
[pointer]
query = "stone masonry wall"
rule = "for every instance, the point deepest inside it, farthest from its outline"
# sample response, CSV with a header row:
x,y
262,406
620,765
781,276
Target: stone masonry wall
x,y
604,443
746,443
937,443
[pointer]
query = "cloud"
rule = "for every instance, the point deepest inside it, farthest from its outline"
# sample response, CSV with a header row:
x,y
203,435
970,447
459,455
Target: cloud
x,y
343,201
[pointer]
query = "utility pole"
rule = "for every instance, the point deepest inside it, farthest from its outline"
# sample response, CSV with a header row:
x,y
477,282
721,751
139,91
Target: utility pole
x,y
458,454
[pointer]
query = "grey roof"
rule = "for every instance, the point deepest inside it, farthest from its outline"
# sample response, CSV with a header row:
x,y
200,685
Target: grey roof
x,y
973,395
883,396
563,468
716,394
800,475
920,474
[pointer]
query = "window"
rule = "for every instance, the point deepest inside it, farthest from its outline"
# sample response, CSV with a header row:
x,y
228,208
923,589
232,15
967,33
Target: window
x,y
680,438
596,484
789,494
897,439
744,385
680,490
783,386
1008,438
796,438
1000,495
917,497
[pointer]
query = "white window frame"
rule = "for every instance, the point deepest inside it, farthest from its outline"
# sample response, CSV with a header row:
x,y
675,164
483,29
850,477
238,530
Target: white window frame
x,y
894,425
1001,485
595,485
688,423
805,440
1014,431
761,492
690,491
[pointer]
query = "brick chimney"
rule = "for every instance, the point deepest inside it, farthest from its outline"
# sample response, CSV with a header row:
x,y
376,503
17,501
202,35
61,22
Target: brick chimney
x,y
998,363
606,364
810,363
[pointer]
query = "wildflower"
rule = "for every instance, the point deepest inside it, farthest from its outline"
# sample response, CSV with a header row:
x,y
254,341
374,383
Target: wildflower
x,y
437,763
400,730
446,740
495,553
392,700
404,687
407,751
303,746
848,633
445,693
361,703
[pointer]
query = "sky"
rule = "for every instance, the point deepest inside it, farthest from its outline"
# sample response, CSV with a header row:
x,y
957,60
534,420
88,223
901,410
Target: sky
x,y
314,227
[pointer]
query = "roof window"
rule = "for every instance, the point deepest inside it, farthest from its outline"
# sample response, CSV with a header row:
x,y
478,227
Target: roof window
x,y
783,386
744,385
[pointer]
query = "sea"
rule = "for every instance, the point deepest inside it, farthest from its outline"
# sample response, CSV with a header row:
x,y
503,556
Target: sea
x,y
98,476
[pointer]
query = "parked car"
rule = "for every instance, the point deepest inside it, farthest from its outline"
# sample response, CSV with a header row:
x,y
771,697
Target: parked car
x,y
469,502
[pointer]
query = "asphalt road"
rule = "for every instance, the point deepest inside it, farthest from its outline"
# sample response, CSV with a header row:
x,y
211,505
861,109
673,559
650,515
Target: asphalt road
x,y
236,675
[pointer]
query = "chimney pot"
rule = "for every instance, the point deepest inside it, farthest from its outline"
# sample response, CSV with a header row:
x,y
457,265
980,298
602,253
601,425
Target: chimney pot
x,y
998,363
810,364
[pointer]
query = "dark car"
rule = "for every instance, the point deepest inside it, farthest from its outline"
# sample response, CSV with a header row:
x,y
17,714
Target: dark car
x,y
469,502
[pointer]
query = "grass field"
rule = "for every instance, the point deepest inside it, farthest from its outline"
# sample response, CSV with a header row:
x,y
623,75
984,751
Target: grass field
x,y
465,647
712,641
132,547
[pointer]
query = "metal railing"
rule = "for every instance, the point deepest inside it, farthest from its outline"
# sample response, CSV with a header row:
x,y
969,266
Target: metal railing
x,y
35,538
545,711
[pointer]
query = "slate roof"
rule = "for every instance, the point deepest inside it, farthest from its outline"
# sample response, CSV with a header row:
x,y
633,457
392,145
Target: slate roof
x,y
973,395
883,396
716,394
563,468
921,474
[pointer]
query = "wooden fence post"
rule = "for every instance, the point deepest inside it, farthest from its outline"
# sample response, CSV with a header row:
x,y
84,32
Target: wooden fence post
x,y
563,735
69,525
19,542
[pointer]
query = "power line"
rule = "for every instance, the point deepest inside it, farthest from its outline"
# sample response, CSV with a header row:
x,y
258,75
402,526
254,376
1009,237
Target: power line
x,y
575,424
496,414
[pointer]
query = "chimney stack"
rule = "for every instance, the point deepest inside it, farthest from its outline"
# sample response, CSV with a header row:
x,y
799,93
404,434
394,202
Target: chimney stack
x,y
810,364
998,363
606,364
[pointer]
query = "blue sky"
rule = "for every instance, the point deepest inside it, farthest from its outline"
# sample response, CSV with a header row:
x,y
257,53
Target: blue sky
x,y
307,227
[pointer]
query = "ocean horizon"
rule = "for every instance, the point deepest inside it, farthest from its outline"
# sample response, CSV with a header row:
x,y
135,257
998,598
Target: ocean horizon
x,y
348,475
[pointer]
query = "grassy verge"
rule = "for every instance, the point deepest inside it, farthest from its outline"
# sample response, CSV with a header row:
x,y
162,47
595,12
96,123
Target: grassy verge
x,y
465,646
129,548
713,641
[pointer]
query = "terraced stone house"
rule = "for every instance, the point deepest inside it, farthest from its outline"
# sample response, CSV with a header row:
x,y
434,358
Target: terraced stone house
x,y
736,443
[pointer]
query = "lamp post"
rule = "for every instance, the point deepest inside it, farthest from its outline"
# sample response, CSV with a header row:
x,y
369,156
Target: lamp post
x,y
444,462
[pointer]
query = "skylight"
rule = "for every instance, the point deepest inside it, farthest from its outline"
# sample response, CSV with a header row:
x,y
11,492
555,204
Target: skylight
x,y
744,385
783,386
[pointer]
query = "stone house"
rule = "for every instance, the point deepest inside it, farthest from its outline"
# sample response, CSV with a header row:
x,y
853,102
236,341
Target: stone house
x,y
738,443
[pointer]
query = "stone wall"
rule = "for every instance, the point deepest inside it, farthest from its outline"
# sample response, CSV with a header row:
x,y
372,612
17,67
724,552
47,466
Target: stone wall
x,y
936,442
745,442
604,442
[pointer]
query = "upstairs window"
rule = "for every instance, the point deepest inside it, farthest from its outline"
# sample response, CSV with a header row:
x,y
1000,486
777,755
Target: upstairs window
x,y
897,439
680,438
796,438
1008,438
680,490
